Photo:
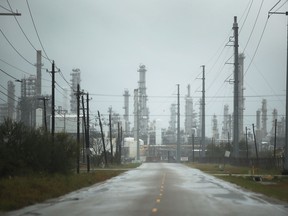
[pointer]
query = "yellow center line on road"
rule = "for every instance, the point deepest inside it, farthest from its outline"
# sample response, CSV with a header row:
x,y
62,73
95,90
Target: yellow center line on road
x,y
154,210
158,199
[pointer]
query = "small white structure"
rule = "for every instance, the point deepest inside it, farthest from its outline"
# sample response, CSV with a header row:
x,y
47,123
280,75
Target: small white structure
x,y
131,144
39,118
67,123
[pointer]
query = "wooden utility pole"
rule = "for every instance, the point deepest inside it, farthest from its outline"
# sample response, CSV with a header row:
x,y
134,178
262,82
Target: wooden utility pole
x,y
103,140
203,113
193,155
178,124
246,138
78,129
53,101
255,142
110,132
88,135
275,138
84,127
44,99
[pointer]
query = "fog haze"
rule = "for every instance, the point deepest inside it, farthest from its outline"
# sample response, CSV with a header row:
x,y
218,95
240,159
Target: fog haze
x,y
108,40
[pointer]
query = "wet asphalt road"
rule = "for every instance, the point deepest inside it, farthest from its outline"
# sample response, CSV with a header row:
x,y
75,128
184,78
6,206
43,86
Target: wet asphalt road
x,y
159,189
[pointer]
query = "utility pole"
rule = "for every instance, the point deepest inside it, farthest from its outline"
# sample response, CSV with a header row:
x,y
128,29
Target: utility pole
x,y
255,142
285,167
78,128
53,101
44,99
203,113
246,138
88,136
84,127
118,143
178,124
103,140
236,91
110,132
275,139
193,147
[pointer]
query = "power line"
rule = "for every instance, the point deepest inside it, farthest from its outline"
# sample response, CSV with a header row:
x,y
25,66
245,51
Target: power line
x,y
24,32
9,96
281,5
255,52
62,75
246,16
6,9
37,31
253,28
22,28
3,100
16,49
15,67
9,74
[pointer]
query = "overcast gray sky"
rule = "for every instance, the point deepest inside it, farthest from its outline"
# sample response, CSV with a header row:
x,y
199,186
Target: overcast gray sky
x,y
108,40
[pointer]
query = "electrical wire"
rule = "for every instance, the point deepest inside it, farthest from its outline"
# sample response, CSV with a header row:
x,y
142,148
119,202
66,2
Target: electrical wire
x,y
37,31
22,30
16,49
6,9
255,52
9,74
9,96
274,6
267,83
15,67
281,6
246,17
62,75
253,28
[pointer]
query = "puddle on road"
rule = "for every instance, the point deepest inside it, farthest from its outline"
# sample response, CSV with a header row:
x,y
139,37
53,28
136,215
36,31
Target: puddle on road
x,y
230,196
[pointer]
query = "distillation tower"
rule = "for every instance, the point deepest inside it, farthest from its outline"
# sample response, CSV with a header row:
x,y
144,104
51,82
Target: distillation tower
x,y
241,103
189,113
143,112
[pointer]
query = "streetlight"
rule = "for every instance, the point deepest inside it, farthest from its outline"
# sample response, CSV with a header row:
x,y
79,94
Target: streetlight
x,y
285,167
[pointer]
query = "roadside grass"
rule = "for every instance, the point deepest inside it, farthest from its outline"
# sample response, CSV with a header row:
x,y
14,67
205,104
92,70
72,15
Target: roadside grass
x,y
271,184
228,169
276,187
18,192
124,166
